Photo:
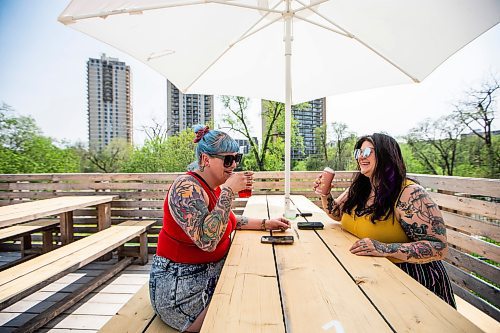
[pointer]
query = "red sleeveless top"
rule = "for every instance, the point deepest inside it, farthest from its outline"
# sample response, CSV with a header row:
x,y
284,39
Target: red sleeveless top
x,y
176,245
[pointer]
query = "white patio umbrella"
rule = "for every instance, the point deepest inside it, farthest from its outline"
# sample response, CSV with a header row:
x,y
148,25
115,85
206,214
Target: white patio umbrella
x,y
289,50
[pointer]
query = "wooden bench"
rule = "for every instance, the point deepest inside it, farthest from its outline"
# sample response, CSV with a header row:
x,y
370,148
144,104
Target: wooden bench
x,y
21,280
62,206
137,316
25,230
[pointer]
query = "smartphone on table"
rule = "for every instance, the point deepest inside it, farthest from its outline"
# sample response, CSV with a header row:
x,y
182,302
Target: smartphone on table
x,y
277,239
304,214
310,225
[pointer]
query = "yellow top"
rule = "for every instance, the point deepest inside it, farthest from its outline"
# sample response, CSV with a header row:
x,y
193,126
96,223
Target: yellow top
x,y
386,231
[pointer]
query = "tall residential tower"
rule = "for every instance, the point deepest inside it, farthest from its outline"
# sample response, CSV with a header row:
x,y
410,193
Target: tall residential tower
x,y
309,118
186,110
109,101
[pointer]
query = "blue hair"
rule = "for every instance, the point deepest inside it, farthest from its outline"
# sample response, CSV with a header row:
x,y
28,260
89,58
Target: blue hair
x,y
212,142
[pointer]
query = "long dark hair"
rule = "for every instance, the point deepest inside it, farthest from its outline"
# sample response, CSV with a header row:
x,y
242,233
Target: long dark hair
x,y
388,177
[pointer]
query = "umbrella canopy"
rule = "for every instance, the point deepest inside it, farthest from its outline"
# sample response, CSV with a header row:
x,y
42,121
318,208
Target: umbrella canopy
x,y
288,50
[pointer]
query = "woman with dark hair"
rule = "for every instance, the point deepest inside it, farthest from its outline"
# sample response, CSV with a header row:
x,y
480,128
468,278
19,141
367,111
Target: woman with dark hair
x,y
393,216
197,223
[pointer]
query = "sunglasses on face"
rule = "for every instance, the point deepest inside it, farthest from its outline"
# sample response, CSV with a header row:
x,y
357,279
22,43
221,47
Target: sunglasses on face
x,y
362,152
228,159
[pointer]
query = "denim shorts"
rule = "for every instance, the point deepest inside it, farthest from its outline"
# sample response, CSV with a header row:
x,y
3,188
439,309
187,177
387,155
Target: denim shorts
x,y
180,292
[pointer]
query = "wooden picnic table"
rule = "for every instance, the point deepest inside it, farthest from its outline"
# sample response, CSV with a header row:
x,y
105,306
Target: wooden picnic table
x,y
317,285
62,206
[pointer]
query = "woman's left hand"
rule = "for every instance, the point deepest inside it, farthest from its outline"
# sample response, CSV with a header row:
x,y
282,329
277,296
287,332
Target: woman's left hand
x,y
368,247
279,223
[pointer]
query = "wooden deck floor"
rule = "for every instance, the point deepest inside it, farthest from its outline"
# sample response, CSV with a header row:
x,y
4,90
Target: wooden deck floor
x,y
88,315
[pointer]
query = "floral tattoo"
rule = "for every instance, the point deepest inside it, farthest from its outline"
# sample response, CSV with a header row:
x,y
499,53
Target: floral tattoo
x,y
241,221
190,210
422,222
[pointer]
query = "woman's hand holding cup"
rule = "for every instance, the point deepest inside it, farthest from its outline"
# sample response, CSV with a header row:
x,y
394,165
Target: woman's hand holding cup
x,y
247,192
240,181
323,184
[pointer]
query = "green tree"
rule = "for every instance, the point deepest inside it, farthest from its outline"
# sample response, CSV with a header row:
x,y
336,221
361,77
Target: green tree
x,y
270,155
161,154
435,143
23,148
477,112
112,158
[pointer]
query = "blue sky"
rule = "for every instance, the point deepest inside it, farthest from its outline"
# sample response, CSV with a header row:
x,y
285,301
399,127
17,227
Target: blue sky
x,y
43,74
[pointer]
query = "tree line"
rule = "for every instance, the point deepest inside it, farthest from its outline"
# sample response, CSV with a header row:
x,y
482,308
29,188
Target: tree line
x,y
461,143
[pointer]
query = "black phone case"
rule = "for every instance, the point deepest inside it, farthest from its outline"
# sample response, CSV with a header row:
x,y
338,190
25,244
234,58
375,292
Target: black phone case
x,y
304,214
277,239
310,225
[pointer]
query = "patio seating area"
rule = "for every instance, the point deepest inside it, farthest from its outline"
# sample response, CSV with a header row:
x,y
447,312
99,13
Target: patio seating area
x,y
470,208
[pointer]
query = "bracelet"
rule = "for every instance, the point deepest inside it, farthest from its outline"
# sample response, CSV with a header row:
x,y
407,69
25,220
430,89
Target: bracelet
x,y
263,224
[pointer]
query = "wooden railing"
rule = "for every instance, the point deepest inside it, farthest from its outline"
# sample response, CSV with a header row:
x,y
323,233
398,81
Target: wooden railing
x,y
470,206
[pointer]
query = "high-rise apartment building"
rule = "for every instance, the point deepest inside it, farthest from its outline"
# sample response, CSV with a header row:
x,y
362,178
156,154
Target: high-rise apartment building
x,y
244,144
186,110
309,118
109,101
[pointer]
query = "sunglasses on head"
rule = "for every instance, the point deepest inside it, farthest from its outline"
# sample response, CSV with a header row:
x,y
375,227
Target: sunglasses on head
x,y
228,159
362,152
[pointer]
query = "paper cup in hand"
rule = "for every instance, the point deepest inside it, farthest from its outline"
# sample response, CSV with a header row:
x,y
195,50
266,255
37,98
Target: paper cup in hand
x,y
326,181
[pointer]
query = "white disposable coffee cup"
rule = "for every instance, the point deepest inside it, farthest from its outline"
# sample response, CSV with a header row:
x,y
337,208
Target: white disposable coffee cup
x,y
326,181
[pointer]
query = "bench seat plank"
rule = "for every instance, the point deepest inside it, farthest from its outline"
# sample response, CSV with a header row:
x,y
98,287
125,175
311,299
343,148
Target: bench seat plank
x,y
25,276
20,230
65,251
406,304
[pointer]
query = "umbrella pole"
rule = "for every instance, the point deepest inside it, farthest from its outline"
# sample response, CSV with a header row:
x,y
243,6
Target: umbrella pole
x,y
288,107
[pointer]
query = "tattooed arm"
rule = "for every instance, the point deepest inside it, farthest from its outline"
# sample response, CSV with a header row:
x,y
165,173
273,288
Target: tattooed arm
x,y
279,223
188,204
422,221
333,207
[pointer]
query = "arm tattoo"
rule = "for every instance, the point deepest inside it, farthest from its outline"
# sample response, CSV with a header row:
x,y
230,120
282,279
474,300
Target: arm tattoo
x,y
422,222
241,221
190,211
421,207
418,250
332,207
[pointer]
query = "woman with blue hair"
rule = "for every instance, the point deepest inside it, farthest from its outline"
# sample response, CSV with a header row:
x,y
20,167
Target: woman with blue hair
x,y
197,223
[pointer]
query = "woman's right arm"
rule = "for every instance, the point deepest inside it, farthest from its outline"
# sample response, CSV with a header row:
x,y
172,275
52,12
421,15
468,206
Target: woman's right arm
x,y
187,202
333,207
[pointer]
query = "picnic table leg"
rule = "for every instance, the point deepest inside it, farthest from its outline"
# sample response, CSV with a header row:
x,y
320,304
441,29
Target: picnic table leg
x,y
47,243
66,227
103,216
143,249
104,222
25,244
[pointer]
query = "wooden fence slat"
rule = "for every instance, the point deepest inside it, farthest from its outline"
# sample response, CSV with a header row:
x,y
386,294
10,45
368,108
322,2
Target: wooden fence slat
x,y
479,303
470,282
86,186
473,245
479,186
481,207
470,263
472,226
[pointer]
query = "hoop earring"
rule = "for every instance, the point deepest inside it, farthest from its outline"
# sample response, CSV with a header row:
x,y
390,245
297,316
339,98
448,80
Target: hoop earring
x,y
202,168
